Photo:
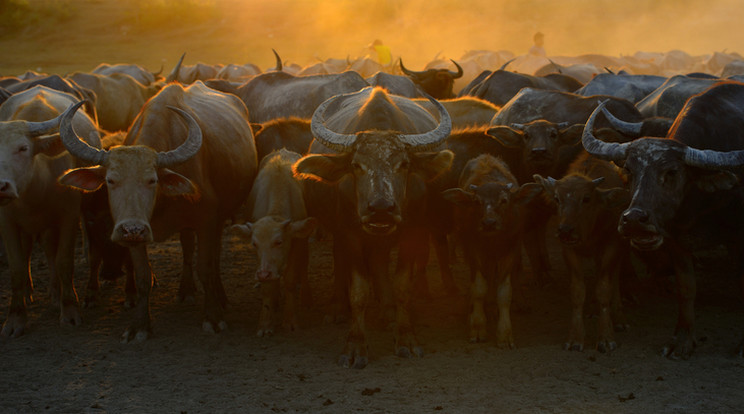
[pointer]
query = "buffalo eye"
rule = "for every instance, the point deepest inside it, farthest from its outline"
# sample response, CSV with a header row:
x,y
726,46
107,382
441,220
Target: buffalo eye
x,y
403,165
277,243
110,181
670,175
152,181
22,148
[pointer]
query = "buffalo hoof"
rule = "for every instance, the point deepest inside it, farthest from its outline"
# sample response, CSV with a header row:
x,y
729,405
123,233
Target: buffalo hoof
x,y
290,325
14,326
405,352
265,332
355,354
133,335
621,327
606,347
70,315
506,343
211,327
357,362
681,347
573,346
478,335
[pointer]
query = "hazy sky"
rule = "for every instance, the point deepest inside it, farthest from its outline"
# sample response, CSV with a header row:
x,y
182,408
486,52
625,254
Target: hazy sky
x,y
571,27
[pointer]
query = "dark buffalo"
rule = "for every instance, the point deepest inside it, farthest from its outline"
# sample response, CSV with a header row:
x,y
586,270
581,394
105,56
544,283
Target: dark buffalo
x,y
377,151
395,84
669,98
589,200
684,192
559,107
489,220
291,133
500,86
436,82
629,87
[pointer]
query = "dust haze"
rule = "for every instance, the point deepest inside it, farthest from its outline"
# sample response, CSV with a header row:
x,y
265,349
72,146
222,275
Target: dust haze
x,y
68,35
419,30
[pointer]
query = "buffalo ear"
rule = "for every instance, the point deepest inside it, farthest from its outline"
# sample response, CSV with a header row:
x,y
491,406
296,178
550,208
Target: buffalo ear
x,y
85,179
50,145
718,180
322,167
459,197
508,137
527,192
548,184
614,197
303,228
174,184
571,135
433,164
245,231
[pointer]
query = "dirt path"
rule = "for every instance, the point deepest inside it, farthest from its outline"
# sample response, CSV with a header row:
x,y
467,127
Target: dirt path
x,y
181,369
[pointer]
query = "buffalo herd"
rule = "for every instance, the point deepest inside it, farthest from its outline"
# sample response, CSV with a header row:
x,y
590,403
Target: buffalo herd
x,y
620,160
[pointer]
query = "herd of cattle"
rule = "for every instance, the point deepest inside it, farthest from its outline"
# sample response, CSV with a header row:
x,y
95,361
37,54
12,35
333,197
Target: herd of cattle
x,y
638,158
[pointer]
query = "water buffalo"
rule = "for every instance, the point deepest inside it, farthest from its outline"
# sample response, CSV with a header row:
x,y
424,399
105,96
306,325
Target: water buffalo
x,y
213,157
682,188
378,152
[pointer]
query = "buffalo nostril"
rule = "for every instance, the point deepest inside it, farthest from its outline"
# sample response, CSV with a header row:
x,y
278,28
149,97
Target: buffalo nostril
x,y
539,151
635,215
4,186
382,205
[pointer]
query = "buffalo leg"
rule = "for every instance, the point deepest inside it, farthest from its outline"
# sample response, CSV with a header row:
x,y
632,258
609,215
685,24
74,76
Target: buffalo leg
x,y
505,270
64,263
576,333
441,247
356,350
608,269
683,342
208,268
269,305
18,251
406,344
187,287
341,278
140,328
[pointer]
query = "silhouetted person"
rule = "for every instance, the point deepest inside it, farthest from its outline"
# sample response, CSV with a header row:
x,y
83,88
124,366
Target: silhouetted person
x,y
537,49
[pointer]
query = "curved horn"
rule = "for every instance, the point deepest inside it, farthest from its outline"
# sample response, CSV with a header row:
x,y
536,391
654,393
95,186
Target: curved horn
x,y
156,74
609,151
76,146
459,72
331,139
628,128
36,129
407,71
710,159
429,140
279,66
503,67
188,148
174,73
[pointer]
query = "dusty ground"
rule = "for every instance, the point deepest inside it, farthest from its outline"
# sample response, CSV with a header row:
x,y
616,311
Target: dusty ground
x,y
182,369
